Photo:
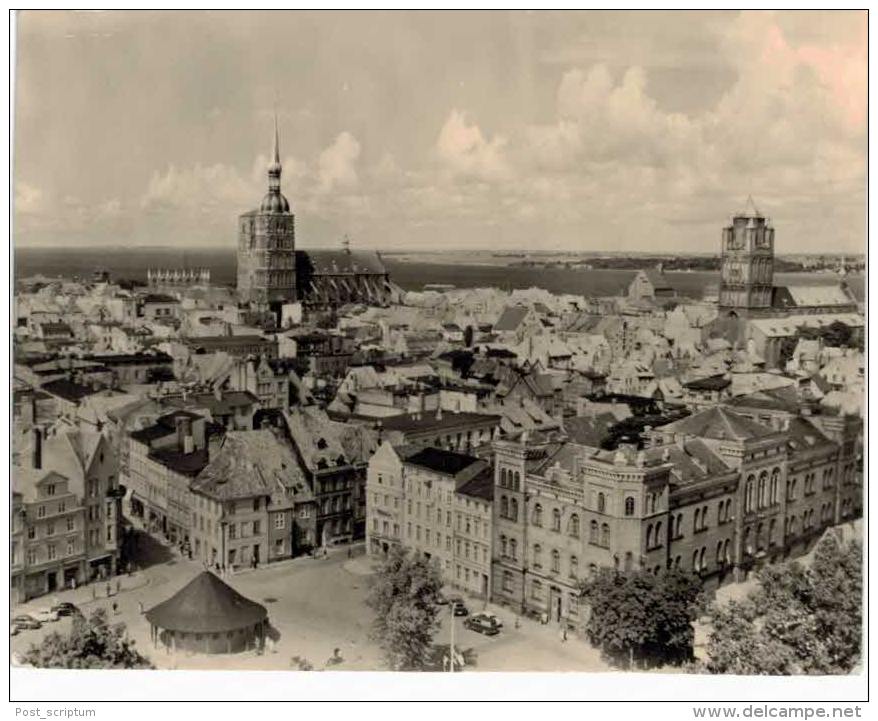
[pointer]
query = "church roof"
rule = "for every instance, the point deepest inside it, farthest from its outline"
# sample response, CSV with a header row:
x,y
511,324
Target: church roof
x,y
343,261
206,605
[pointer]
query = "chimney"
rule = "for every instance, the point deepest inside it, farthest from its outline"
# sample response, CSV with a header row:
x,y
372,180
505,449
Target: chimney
x,y
38,448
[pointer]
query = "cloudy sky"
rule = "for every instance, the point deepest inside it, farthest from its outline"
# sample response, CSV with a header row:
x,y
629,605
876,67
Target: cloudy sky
x,y
422,131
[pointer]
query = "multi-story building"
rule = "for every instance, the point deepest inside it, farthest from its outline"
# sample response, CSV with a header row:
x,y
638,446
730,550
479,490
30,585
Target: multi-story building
x,y
159,462
334,457
437,503
48,534
459,432
66,513
715,493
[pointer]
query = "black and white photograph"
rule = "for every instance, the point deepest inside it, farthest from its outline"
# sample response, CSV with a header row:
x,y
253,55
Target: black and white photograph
x,y
438,341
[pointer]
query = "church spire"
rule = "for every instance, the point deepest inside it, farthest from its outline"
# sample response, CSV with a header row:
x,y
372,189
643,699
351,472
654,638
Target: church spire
x,y
274,167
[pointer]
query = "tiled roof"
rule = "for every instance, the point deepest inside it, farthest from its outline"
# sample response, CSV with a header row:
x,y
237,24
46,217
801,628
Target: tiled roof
x,y
718,423
510,318
481,486
431,422
324,443
448,463
336,262
780,399
711,383
251,463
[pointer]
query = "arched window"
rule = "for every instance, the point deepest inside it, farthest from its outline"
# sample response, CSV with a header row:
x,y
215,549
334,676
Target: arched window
x,y
760,541
649,536
593,532
573,526
696,519
516,481
719,553
763,489
513,509
727,551
602,503
701,564
574,567
556,561
537,590
503,477
538,556
695,566
748,495
538,515
679,531
513,548
556,520
605,535
504,507
748,541
629,506
775,486
503,548
658,534
719,512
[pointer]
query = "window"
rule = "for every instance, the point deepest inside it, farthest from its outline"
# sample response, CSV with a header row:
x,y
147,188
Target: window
x,y
556,520
503,548
516,481
280,521
256,528
748,494
538,515
503,478
678,531
50,529
31,531
50,489
602,503
763,490
629,506
504,507
536,591
593,532
513,548
574,567
538,556
51,549
69,548
41,512
658,535
513,512
573,526
507,581
605,535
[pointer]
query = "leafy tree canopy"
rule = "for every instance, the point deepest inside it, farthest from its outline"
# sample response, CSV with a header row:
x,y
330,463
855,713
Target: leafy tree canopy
x,y
641,617
798,621
403,596
91,643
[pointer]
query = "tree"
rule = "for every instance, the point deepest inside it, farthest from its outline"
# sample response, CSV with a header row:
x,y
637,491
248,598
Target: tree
x,y
91,643
798,621
403,596
643,617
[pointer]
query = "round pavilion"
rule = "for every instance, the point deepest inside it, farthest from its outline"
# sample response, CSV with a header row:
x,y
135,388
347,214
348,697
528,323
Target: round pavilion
x,y
208,616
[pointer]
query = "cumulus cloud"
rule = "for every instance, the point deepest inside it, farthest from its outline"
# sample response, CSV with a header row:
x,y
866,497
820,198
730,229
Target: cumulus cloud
x,y
338,163
463,149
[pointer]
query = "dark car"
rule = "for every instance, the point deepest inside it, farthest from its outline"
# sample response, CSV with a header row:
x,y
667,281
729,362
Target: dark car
x,y
481,624
67,609
25,622
459,608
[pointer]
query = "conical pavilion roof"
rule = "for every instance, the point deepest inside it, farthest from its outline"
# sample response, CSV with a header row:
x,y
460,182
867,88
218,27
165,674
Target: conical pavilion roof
x,y
206,605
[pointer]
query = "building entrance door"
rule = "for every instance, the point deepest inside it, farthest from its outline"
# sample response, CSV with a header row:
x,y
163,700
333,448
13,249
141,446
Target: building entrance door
x,y
555,603
51,581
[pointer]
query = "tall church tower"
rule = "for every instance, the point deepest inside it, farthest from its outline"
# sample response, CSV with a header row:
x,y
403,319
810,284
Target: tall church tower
x,y
267,245
747,269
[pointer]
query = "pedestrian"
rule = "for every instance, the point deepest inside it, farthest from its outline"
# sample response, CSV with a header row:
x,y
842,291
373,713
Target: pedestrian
x,y
115,608
564,633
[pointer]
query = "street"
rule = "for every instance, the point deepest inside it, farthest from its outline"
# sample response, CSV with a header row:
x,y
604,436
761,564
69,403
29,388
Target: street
x,y
315,606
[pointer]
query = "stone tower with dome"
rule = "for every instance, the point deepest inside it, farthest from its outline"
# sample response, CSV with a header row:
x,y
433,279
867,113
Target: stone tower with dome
x,y
267,245
747,269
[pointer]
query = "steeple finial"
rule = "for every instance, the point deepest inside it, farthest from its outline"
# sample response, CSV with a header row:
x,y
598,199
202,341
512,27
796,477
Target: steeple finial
x,y
276,139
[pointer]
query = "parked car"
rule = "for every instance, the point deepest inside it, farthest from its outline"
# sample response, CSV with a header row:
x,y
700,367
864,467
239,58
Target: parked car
x,y
481,624
66,609
45,615
25,622
459,607
490,618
